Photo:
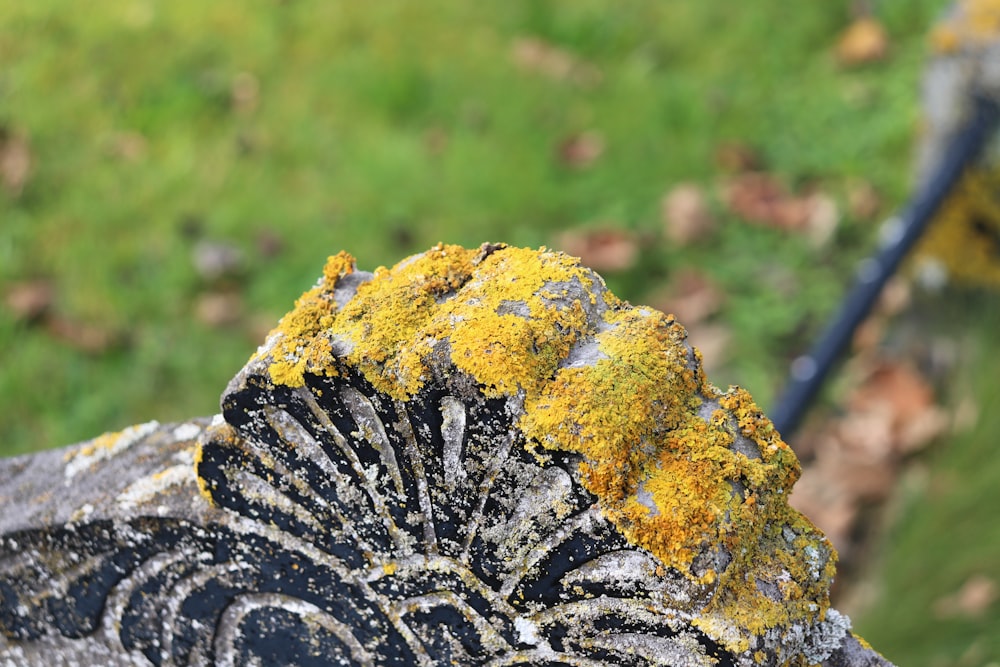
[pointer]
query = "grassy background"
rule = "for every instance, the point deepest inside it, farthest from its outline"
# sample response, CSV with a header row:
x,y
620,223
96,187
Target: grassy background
x,y
291,130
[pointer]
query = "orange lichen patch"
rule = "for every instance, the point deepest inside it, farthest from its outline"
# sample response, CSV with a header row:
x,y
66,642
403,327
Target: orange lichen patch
x,y
218,435
383,322
974,23
768,539
659,470
801,571
965,236
778,468
301,348
500,311
103,441
680,468
203,489
671,480
105,446
510,328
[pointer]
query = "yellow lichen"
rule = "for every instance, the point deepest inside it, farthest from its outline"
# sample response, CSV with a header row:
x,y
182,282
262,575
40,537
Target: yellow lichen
x,y
669,479
384,319
965,235
505,328
219,435
301,346
105,441
974,23
203,488
964,238
633,416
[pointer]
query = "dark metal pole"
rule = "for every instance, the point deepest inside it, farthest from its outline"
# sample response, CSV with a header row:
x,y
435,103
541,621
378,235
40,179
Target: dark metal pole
x,y
809,371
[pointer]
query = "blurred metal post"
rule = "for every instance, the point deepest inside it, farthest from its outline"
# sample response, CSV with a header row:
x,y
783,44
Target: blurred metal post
x,y
809,371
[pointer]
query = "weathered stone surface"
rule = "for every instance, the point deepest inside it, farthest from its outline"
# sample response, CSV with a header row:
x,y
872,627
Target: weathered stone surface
x,y
961,244
476,457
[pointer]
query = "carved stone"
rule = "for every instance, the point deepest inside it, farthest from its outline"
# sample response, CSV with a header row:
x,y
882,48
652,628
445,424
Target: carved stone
x,y
477,457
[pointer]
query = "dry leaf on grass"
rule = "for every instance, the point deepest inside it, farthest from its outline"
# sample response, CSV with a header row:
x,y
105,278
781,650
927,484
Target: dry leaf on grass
x,y
902,401
855,459
864,41
895,297
923,429
601,249
436,140
15,161
539,57
219,309
822,219
973,599
761,198
691,297
869,334
127,146
966,415
29,301
863,200
244,92
686,215
85,337
735,158
580,150
897,386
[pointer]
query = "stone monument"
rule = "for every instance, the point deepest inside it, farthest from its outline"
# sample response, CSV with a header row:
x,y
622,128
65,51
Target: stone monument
x,y
477,457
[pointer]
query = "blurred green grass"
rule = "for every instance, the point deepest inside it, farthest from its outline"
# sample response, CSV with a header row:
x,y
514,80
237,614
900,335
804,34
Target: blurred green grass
x,y
291,130
138,146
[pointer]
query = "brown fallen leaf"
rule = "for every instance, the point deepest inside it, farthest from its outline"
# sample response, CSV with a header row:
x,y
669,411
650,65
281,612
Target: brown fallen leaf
x,y
258,326
691,297
822,219
863,201
539,57
15,161
921,430
127,146
87,338
866,435
897,385
966,414
580,150
736,158
761,198
896,296
245,92
29,301
436,141
219,309
601,249
686,215
972,600
869,334
863,41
